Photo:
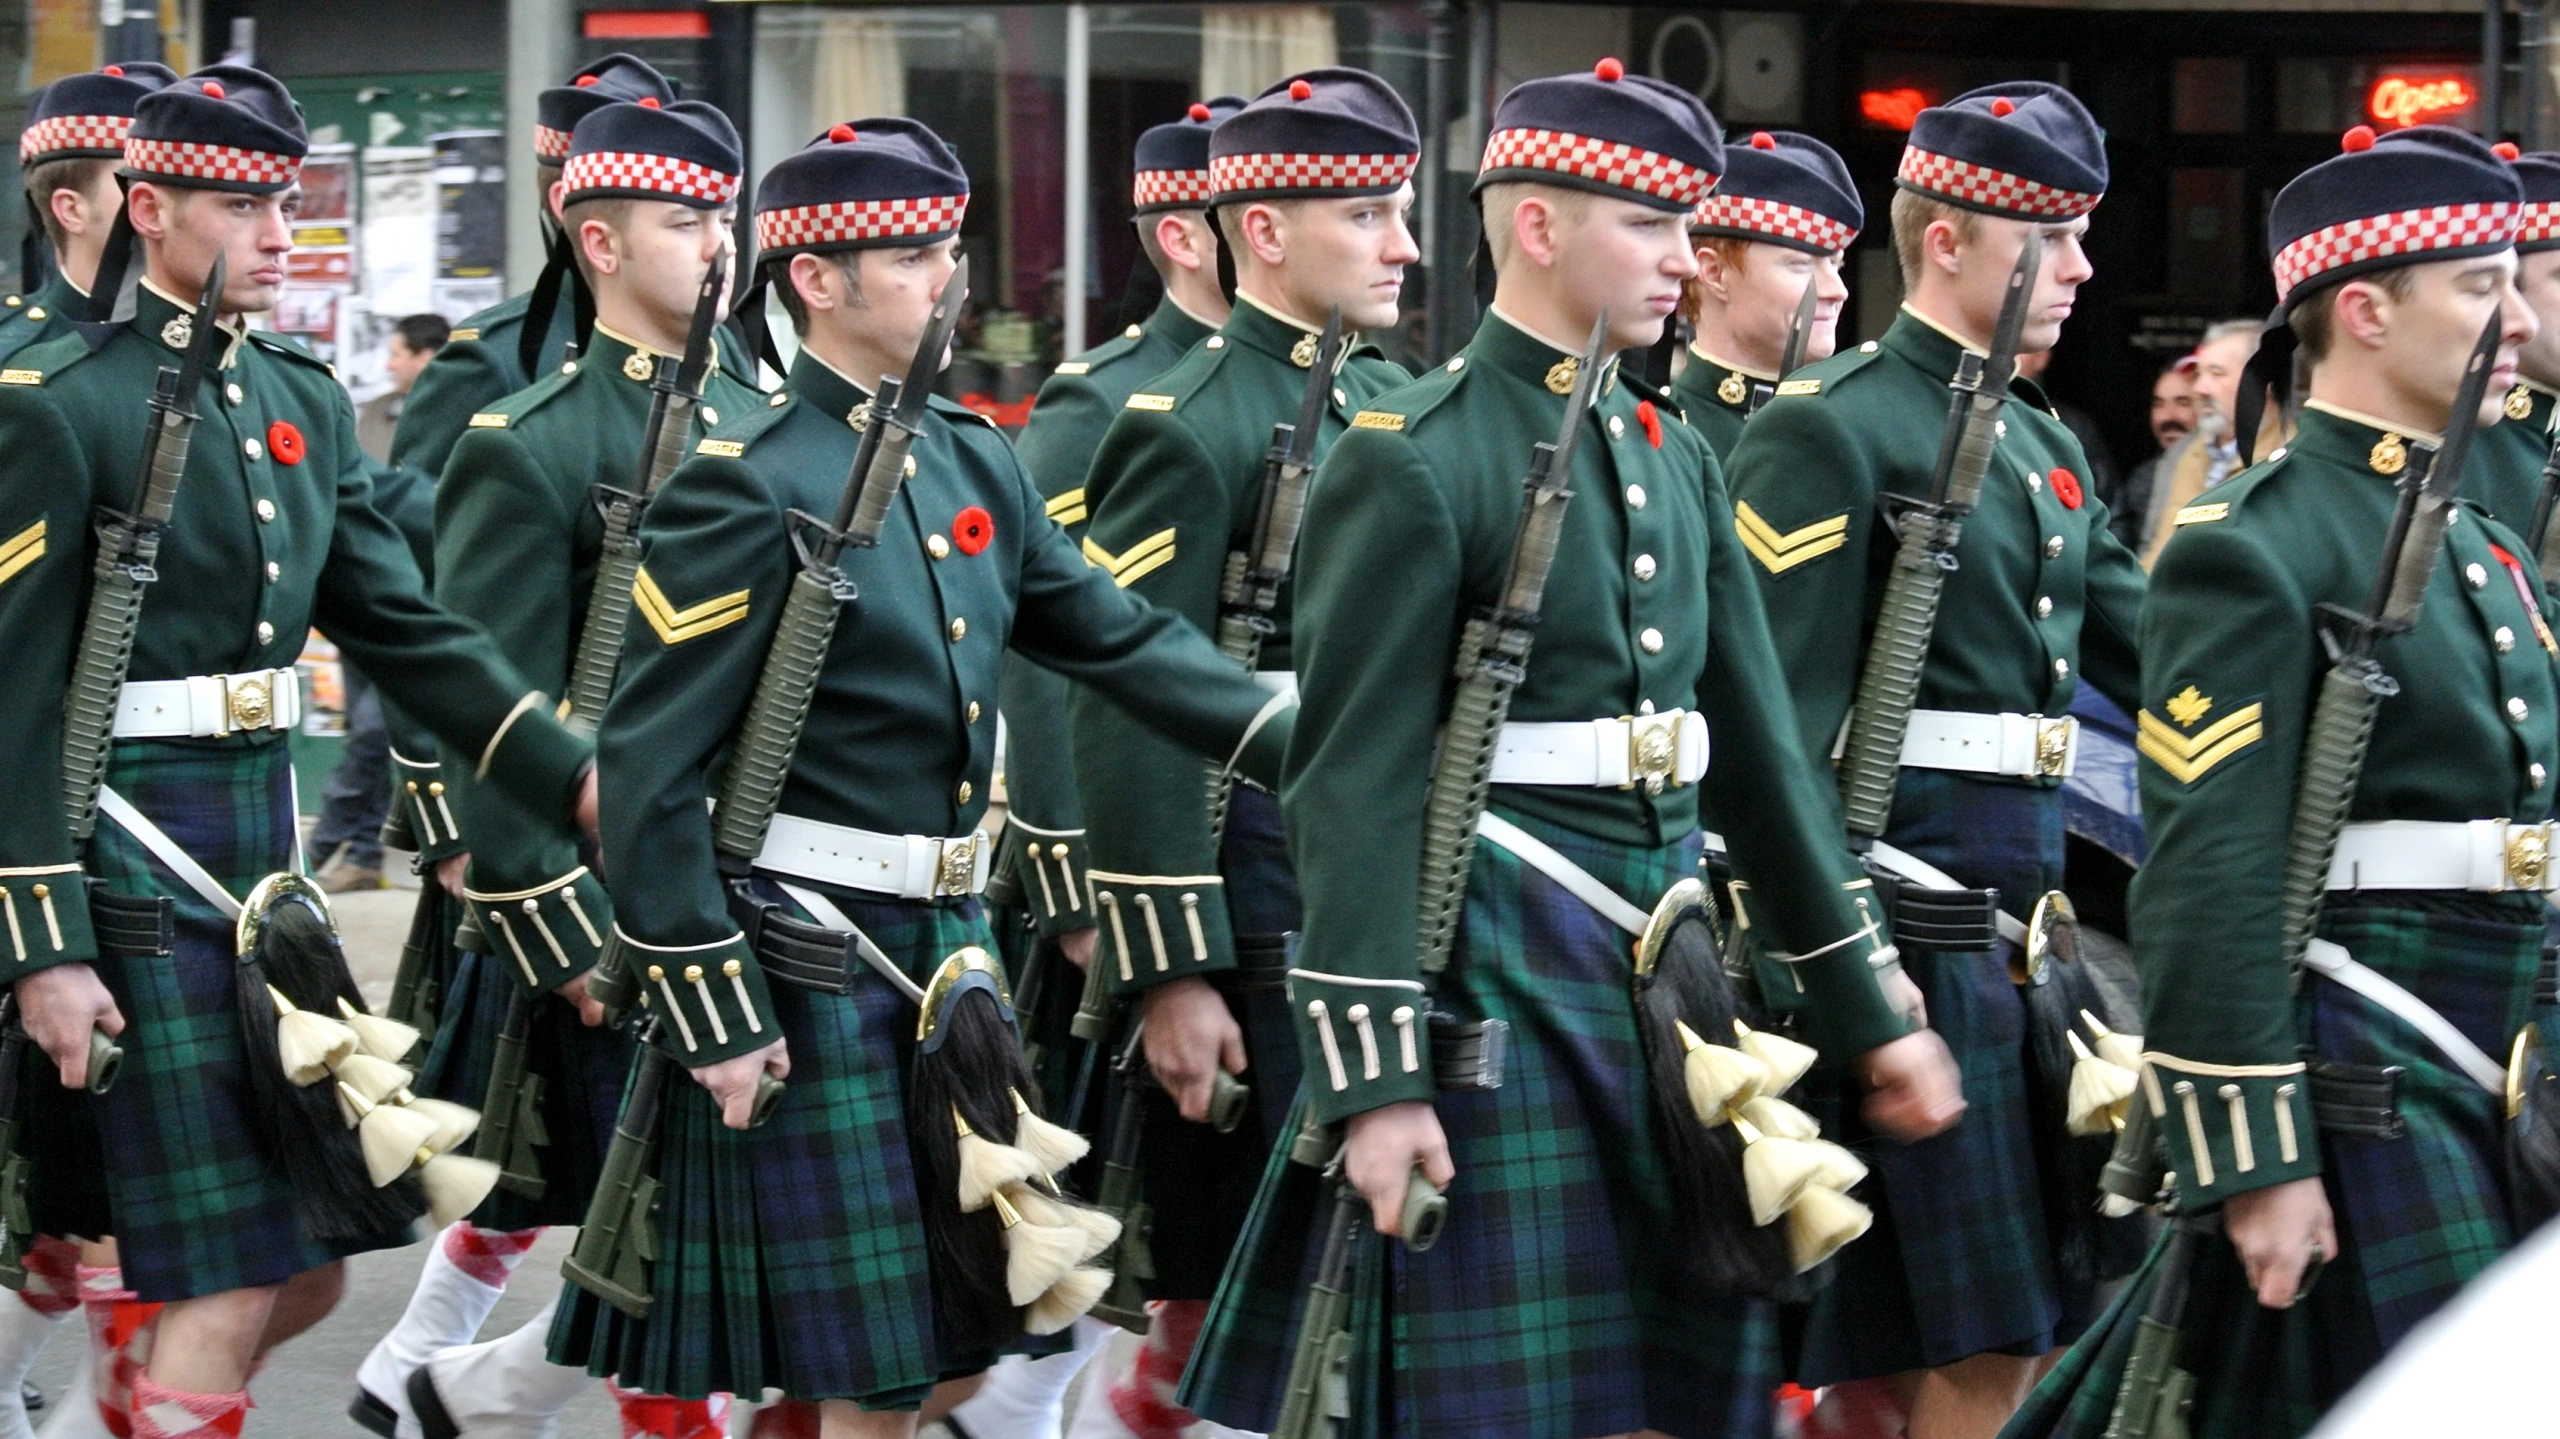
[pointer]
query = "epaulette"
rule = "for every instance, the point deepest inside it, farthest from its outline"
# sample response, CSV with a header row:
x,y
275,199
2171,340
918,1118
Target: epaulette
x,y
514,408
290,348
1824,376
47,361
729,439
957,411
1399,409
1661,399
1118,347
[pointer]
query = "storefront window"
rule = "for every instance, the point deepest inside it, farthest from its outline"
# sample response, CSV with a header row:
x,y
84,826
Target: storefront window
x,y
991,80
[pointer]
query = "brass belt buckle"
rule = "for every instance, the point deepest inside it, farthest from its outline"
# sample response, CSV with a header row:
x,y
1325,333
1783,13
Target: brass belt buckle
x,y
1653,750
956,875
249,700
2053,745
2528,857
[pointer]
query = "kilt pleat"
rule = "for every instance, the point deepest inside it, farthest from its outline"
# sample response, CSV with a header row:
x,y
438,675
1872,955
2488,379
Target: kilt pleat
x,y
1960,1261
792,1257
1542,1313
200,1204
2418,1217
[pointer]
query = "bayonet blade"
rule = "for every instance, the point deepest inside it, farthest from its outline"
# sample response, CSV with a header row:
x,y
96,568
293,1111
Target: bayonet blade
x,y
2445,471
2003,363
1311,403
1800,328
696,363
204,341
927,365
1586,387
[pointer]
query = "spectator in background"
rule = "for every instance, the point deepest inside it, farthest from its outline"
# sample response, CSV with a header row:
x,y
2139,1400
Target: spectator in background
x,y
346,843
2173,418
2209,456
2102,461
414,341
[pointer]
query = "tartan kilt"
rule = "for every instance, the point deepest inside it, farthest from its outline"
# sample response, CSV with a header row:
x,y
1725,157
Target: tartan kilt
x,y
1541,1313
1960,1261
1199,1184
200,1203
582,1071
792,1257
2418,1217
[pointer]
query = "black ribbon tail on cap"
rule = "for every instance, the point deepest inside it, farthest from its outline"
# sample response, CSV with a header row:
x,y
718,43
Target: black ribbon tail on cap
x,y
543,301
1139,297
1226,261
2268,375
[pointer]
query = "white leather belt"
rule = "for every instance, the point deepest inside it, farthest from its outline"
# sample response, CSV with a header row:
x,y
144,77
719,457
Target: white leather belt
x,y
910,866
1652,750
2020,746
2483,856
1278,682
208,706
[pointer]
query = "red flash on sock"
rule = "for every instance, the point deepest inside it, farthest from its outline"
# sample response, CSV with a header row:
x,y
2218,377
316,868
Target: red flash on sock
x,y
163,1413
488,1255
1144,1400
53,1277
656,1416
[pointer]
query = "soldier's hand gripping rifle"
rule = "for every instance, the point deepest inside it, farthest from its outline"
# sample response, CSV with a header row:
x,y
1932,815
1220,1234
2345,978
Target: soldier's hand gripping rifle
x,y
675,393
2352,692
1888,686
1493,658
16,1224
128,546
1250,588
1799,334
1132,1260
770,735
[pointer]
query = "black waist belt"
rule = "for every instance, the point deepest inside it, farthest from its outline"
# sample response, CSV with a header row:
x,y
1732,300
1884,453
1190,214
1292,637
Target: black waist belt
x,y
1263,961
2358,1100
1937,920
132,926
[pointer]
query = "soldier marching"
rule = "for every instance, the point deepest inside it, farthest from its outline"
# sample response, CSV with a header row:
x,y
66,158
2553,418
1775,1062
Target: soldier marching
x,y
1367,730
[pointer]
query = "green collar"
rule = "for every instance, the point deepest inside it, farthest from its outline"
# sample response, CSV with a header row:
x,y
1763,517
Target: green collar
x,y
814,382
170,325
1933,350
1256,328
1511,350
609,353
2353,445
1172,322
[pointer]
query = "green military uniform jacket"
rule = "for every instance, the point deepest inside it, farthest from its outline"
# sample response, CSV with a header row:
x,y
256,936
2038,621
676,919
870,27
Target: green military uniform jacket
x,y
901,739
1714,396
1044,853
1175,490
2044,594
1650,608
2504,472
2233,663
275,530
45,315
518,535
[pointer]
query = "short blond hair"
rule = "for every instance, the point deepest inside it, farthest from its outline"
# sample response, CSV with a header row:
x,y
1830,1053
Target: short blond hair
x,y
1913,214
1503,198
613,210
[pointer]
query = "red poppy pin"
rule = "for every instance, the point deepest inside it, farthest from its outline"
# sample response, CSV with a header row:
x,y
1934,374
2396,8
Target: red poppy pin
x,y
1651,419
2066,488
973,529
284,442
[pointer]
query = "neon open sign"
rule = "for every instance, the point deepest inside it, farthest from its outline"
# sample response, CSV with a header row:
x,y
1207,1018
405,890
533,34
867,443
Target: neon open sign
x,y
2410,100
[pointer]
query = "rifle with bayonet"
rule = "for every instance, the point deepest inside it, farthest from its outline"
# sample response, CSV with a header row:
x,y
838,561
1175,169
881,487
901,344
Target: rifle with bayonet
x,y
2546,545
1889,685
1799,334
616,1246
675,392
1250,589
2352,692
1493,659
2152,1401
128,547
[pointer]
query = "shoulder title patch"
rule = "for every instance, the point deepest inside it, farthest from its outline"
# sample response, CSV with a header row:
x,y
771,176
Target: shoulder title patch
x,y
2202,514
675,626
1073,367
721,449
1780,552
1799,387
21,377
470,332
1159,404
2188,758
1377,420
486,420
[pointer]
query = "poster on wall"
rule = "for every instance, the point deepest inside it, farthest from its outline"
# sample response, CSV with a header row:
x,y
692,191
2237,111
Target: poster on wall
x,y
471,221
396,257
320,273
